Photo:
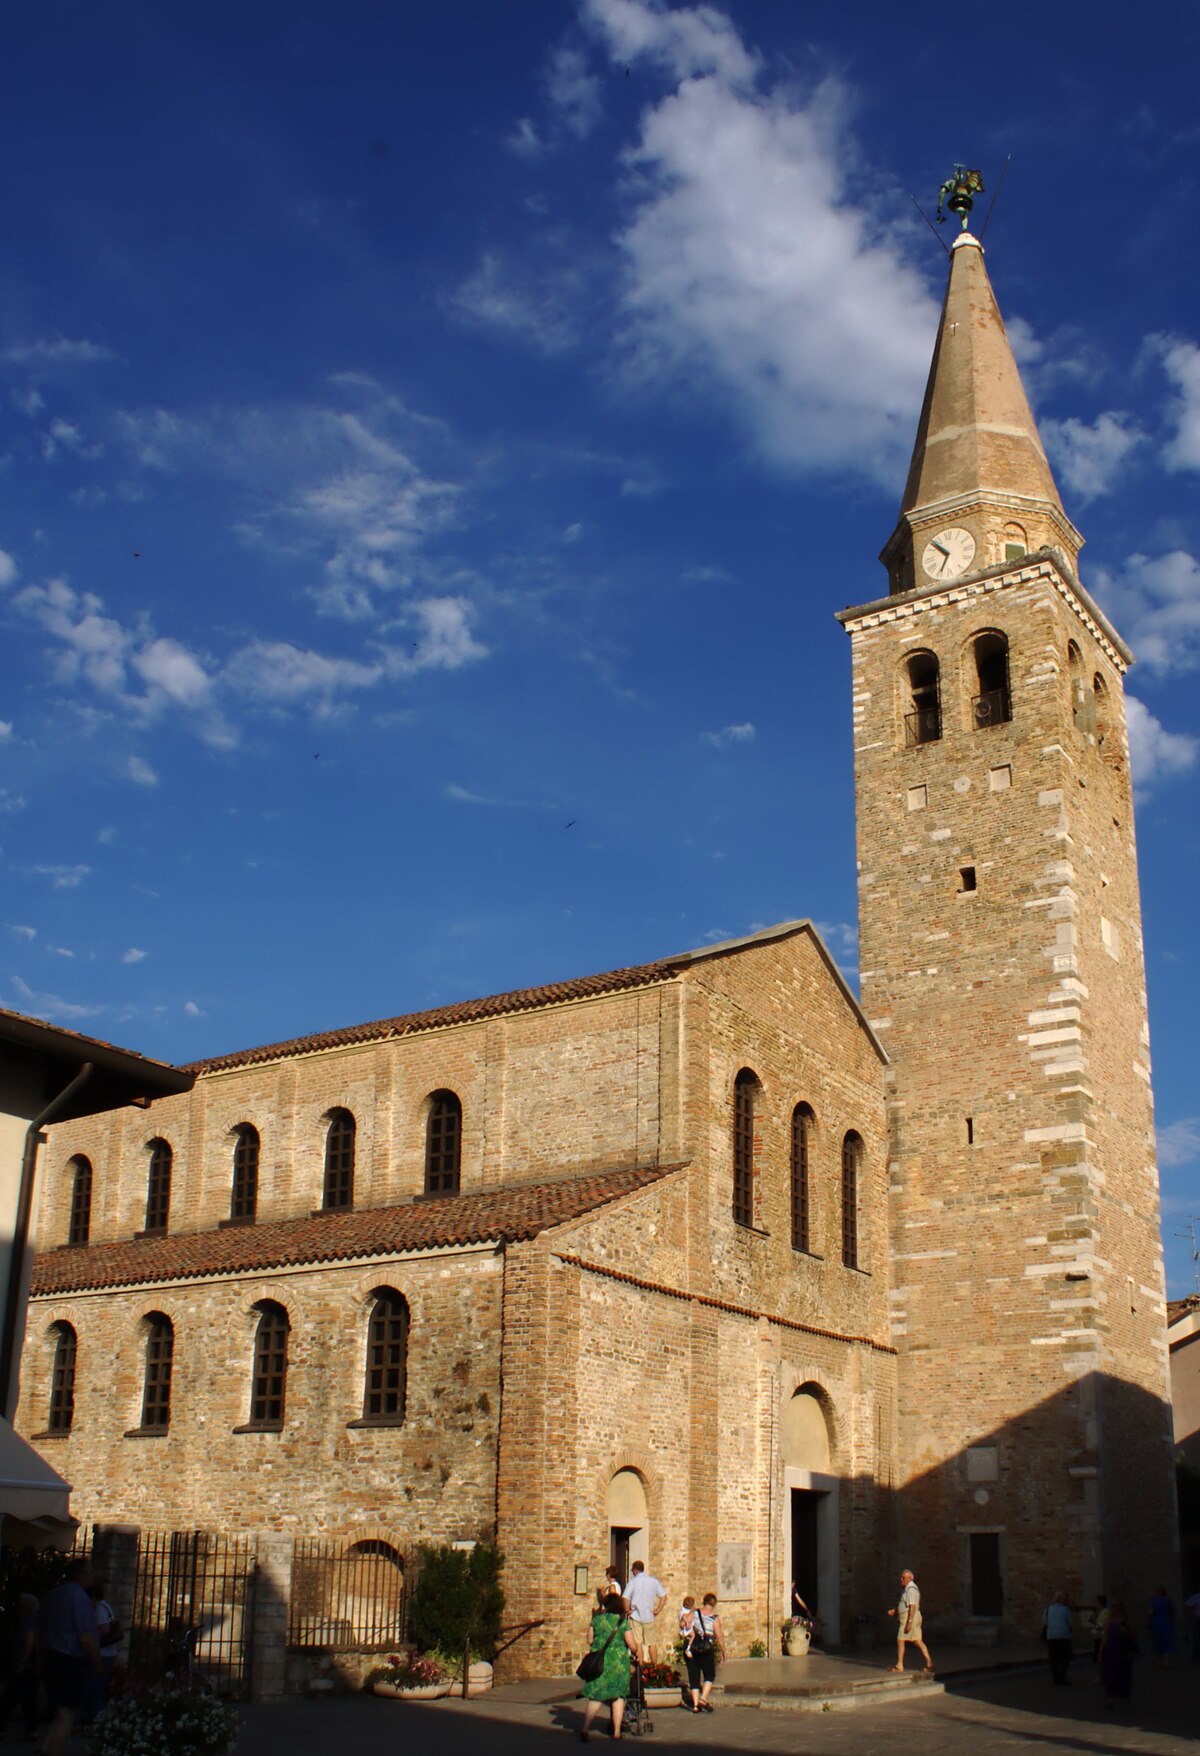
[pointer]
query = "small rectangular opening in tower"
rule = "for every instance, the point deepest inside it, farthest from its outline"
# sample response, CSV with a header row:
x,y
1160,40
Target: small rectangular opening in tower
x,y
966,875
1013,551
970,1130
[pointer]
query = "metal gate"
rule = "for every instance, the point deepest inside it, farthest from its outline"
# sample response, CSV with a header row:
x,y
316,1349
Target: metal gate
x,y
194,1593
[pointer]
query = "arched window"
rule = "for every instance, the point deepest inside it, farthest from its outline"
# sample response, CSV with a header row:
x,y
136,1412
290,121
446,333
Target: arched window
x,y
158,1187
992,705
923,701
243,1203
803,1127
268,1385
385,1386
79,1226
1083,708
745,1099
1016,542
156,1385
339,1160
443,1144
852,1157
62,1380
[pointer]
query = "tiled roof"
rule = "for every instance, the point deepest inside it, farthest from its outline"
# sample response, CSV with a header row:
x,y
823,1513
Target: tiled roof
x,y
1177,1308
494,1215
461,1012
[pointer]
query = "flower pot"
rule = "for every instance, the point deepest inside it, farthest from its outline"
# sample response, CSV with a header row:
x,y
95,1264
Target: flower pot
x,y
479,1678
798,1640
418,1692
667,1696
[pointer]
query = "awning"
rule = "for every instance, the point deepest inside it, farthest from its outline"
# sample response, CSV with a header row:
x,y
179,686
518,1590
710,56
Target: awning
x,y
29,1489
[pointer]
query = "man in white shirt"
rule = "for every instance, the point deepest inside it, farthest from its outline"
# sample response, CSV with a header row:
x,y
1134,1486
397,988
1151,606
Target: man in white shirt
x,y
646,1597
908,1628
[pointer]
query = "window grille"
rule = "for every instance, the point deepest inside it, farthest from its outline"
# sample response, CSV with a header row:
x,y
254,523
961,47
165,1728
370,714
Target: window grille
x,y
443,1144
244,1200
339,1160
158,1189
851,1166
745,1092
802,1133
992,706
62,1380
156,1394
79,1226
385,1391
269,1383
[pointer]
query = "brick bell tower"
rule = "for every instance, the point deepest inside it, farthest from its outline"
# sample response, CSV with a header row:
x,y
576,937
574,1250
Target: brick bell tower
x,y
1002,968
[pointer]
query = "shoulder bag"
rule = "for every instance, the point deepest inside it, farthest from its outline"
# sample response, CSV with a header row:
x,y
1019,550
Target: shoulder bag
x,y
592,1663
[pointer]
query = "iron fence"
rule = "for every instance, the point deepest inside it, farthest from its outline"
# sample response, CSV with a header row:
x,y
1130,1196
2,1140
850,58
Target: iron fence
x,y
346,1599
194,1602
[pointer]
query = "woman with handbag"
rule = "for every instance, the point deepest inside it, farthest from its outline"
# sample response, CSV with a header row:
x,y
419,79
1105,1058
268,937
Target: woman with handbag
x,y
613,1641
705,1639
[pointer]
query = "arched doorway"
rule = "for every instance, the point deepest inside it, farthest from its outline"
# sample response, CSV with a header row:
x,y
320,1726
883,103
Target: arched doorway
x,y
810,1536
628,1522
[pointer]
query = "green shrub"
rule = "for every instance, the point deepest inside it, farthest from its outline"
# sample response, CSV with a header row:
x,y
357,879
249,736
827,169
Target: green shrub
x,y
458,1600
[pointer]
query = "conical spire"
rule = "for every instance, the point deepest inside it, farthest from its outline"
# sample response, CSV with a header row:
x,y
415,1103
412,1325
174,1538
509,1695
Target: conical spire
x,y
977,434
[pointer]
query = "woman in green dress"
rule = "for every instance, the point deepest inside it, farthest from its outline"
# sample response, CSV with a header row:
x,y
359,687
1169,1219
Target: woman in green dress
x,y
612,1635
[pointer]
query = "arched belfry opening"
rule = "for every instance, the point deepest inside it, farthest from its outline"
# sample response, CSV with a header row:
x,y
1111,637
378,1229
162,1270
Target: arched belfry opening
x,y
628,1522
810,1504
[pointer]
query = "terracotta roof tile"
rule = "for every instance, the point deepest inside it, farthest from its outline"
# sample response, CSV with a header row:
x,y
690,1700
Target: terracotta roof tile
x,y
1177,1308
461,1012
502,1215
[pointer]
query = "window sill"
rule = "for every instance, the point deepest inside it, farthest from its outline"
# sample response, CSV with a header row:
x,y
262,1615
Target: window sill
x,y
324,1212
224,1225
813,1255
260,1427
377,1421
437,1195
853,1268
50,1433
146,1433
754,1231
151,1232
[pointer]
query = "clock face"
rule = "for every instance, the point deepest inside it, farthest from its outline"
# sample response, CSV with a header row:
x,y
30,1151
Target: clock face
x,y
949,553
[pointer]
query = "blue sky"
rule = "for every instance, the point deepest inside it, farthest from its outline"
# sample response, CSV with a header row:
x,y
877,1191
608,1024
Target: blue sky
x,y
435,442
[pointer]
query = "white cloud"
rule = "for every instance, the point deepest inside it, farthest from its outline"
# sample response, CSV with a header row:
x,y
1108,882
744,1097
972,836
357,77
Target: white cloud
x,y
63,436
1089,458
1179,1142
276,671
1155,601
63,877
8,568
1154,753
1181,361
134,955
25,932
728,735
172,673
59,350
27,402
11,801
524,141
107,835
5,729
755,269
191,1009
529,299
141,774
574,92
60,951
51,1006
444,640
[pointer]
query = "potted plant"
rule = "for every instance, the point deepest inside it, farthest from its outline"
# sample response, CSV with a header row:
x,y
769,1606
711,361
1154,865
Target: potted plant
x,y
408,1677
163,1721
457,1605
797,1636
660,1684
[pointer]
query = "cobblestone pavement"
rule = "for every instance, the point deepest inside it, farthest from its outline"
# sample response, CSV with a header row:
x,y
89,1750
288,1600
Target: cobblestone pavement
x,y
1006,1714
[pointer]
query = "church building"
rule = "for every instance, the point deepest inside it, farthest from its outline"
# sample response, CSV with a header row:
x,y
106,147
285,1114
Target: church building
x,y
705,1262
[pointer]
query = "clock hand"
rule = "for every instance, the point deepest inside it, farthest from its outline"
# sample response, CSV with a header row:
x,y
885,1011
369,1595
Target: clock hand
x,y
940,547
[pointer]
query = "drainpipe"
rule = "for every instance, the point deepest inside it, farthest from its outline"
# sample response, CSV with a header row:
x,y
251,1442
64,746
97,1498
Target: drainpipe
x,y
9,1348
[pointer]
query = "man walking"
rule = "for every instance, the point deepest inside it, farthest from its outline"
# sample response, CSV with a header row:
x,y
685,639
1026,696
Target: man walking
x,y
646,1596
70,1653
908,1627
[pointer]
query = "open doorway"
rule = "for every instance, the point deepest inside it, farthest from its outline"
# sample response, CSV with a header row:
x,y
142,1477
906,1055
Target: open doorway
x,y
806,1567
628,1522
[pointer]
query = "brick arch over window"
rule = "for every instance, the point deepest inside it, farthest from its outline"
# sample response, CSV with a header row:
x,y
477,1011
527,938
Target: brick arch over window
x,y
813,1380
804,1134
853,1154
159,1364
443,1144
158,1186
385,1378
243,1199
61,1413
340,1143
921,698
268,1381
747,1096
79,1225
